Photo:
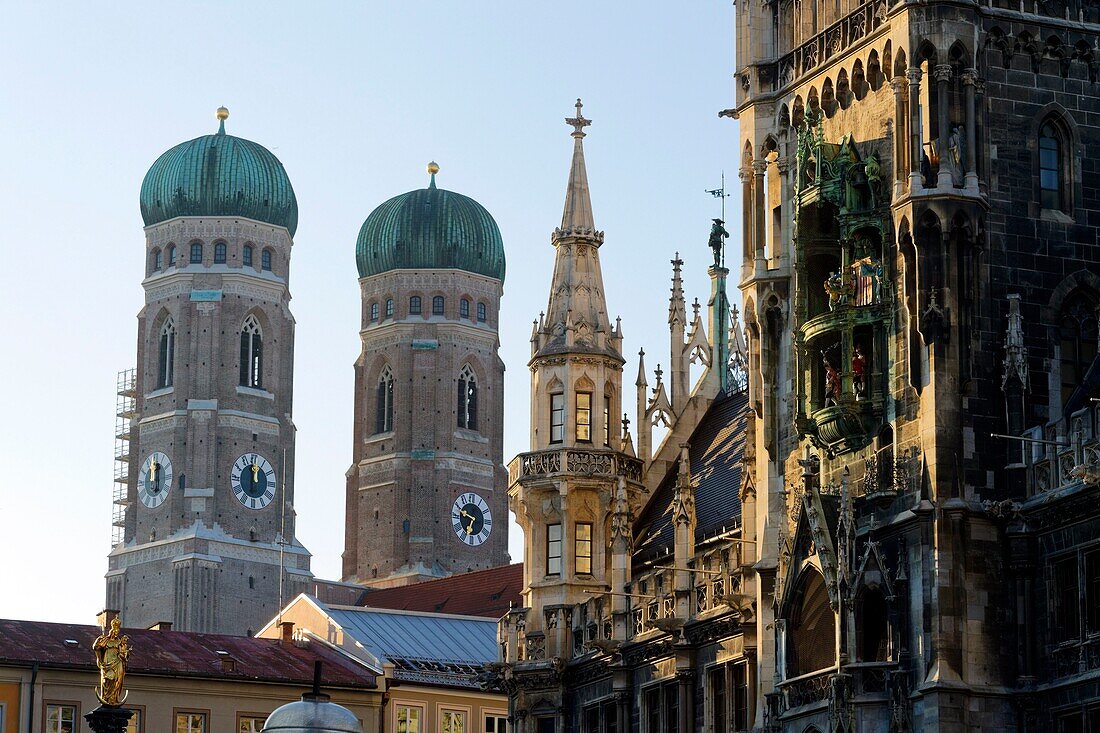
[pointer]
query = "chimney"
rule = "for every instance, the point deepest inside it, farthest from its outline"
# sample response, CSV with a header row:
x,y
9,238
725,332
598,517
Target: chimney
x,y
287,628
105,617
161,626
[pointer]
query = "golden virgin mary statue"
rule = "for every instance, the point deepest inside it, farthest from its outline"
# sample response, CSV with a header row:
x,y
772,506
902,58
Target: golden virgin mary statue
x,y
111,653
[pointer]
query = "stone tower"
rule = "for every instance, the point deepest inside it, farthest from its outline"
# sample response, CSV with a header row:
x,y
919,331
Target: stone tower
x,y
426,489
209,518
912,176
575,493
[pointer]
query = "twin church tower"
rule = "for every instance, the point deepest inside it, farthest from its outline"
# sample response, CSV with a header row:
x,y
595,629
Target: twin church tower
x,y
207,533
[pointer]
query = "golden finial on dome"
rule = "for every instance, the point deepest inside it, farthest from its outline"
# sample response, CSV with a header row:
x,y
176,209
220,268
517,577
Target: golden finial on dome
x,y
433,168
223,113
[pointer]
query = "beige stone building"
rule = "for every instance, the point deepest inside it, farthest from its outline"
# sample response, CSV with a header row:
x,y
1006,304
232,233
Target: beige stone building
x,y
426,489
177,681
206,436
433,664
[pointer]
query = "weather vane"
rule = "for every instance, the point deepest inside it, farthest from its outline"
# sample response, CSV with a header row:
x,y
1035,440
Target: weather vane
x,y
720,193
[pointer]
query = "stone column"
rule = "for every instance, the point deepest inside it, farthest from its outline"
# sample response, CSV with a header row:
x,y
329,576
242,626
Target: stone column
x,y
746,222
942,75
760,226
685,680
969,80
784,166
913,75
898,85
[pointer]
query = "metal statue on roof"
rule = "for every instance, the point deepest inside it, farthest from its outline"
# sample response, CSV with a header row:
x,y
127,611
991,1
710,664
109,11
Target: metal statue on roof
x,y
717,241
111,652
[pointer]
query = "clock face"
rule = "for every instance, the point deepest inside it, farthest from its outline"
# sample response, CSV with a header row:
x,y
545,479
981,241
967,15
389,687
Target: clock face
x,y
471,518
155,480
253,481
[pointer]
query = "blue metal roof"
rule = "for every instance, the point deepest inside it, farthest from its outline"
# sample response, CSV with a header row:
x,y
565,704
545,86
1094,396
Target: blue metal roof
x,y
391,635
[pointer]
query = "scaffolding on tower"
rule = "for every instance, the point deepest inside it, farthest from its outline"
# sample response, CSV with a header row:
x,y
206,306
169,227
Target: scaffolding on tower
x,y
125,405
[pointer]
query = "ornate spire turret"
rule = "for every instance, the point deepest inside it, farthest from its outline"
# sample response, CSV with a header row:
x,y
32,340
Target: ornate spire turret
x,y
576,318
644,431
677,322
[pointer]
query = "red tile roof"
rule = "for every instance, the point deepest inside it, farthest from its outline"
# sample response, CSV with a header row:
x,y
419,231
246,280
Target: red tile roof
x,y
479,593
182,654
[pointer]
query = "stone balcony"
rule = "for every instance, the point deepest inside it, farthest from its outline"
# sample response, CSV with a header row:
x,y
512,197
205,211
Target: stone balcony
x,y
573,463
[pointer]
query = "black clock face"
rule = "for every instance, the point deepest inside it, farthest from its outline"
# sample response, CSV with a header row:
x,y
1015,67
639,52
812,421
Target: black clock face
x,y
471,519
253,481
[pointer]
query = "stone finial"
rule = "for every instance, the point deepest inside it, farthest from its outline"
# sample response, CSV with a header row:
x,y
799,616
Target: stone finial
x,y
579,122
1015,363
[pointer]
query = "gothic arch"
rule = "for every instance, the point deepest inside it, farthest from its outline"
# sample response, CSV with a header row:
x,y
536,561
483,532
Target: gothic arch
x,y
554,385
798,112
899,64
859,80
828,98
811,625
770,145
813,101
959,55
926,52
887,60
783,119
746,155
584,384
843,90
1070,153
874,70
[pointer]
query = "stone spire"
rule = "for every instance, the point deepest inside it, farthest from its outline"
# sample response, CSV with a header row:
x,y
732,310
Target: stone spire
x,y
677,322
644,432
1015,365
576,318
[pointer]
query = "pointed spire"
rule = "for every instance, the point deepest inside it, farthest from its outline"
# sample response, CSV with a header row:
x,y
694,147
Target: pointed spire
x,y
677,312
577,218
641,380
1015,363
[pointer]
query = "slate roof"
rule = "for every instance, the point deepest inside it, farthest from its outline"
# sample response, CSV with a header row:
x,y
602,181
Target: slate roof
x,y
182,654
717,447
489,593
439,649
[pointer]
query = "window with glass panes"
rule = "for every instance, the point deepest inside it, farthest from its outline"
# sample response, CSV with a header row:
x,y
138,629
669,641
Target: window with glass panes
x,y
606,420
414,305
1065,594
437,305
583,548
653,710
265,260
60,718
464,308
716,684
134,725
196,254
410,719
1050,167
452,721
219,253
553,549
250,724
672,708
496,723
584,417
190,723
389,308
481,312
1078,342
557,418
246,255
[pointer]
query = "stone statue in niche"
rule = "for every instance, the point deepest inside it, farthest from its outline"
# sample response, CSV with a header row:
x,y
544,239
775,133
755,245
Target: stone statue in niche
x,y
832,382
955,154
873,170
859,373
837,289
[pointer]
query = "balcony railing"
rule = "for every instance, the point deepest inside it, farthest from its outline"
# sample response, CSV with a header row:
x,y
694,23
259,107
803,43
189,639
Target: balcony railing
x,y
574,461
829,43
807,689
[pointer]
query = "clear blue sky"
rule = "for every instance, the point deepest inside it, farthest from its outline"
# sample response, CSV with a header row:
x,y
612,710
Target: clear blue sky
x,y
355,99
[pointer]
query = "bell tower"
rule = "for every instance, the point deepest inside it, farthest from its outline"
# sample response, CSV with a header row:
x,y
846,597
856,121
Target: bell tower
x,y
576,491
209,516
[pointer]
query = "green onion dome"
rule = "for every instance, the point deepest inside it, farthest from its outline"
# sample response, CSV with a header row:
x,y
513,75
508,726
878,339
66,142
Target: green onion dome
x,y
430,229
219,175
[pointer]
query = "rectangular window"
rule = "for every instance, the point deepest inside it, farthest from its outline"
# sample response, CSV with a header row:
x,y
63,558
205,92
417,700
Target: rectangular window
x,y
672,708
60,718
553,549
610,718
1065,597
246,258
653,710
250,724
584,417
583,548
219,253
464,308
496,724
607,421
409,719
452,721
1070,722
190,722
557,418
135,723
481,313
740,696
1092,594
437,305
717,687
414,305
592,720
265,260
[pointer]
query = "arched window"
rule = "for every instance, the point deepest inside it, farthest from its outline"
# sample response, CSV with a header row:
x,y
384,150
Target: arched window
x,y
467,399
383,409
252,354
463,308
374,313
1078,345
872,626
246,255
167,355
811,629
481,313
414,305
170,257
437,305
219,253
265,259
196,253
389,308
156,260
1050,168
